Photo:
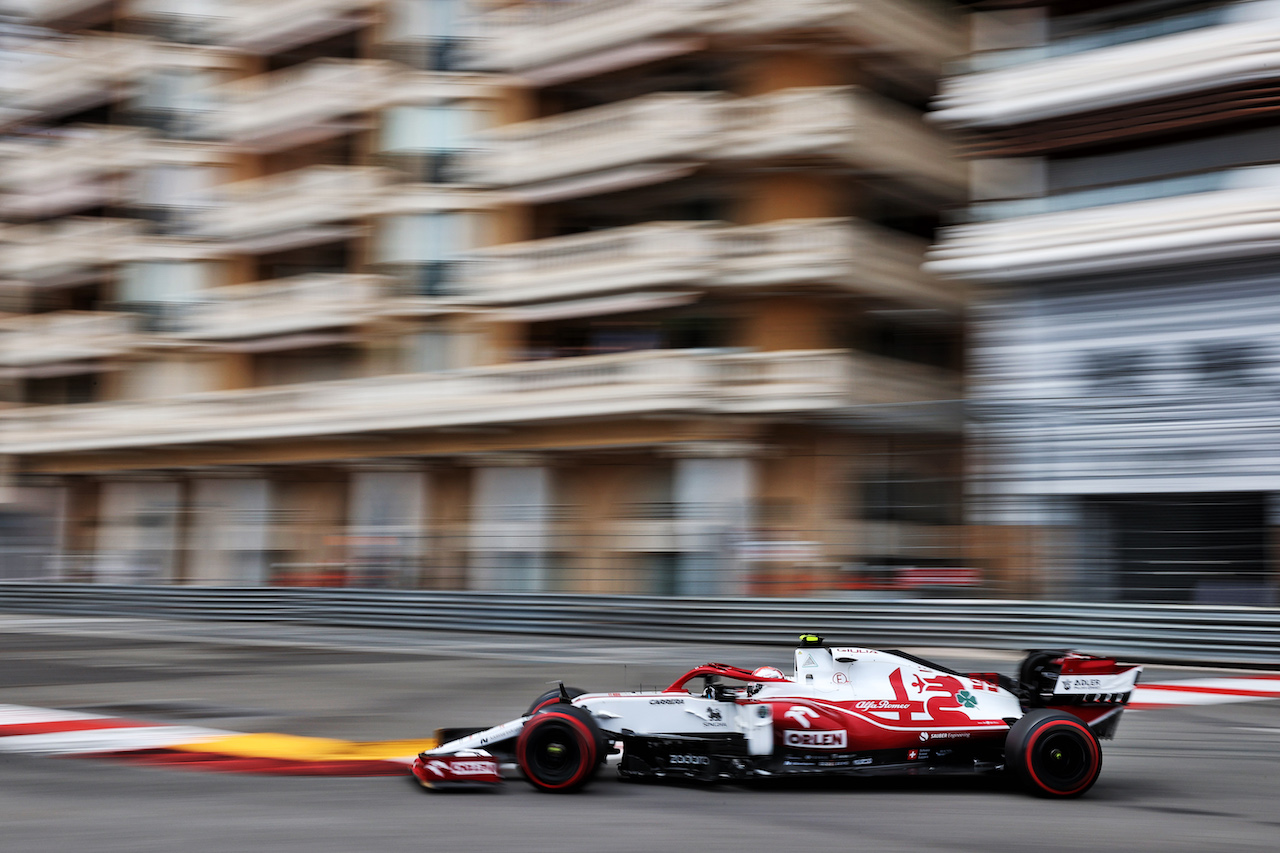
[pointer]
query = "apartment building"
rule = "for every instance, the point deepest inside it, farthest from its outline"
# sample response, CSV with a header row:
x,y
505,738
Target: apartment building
x,y
1125,364
614,296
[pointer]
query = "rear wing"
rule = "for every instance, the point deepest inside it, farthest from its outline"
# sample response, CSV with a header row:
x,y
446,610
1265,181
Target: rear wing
x,y
1095,689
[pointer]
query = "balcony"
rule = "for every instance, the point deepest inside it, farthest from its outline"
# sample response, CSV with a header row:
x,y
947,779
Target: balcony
x,y
301,104
534,35
63,252
677,131
919,35
653,129
258,27
86,167
1144,69
809,383
272,213
93,69
850,125
1215,216
839,252
52,12
798,381
855,255
284,306
653,255
40,339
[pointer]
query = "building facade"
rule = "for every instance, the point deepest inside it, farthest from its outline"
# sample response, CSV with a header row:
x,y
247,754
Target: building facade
x,y
1126,377
581,296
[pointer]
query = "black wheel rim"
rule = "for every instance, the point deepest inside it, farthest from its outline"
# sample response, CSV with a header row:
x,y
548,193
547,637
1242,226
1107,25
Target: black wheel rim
x,y
1062,759
553,753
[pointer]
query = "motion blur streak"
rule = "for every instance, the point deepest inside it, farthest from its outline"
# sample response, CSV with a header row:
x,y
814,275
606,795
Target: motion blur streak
x,y
44,731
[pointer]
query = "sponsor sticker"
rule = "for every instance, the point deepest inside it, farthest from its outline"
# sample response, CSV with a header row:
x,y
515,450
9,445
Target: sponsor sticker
x,y
444,769
695,760
666,701
801,715
967,699
816,740
949,735
1107,683
861,762
882,705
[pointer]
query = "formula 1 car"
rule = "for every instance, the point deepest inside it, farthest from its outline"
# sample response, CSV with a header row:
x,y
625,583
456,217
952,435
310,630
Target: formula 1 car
x,y
844,711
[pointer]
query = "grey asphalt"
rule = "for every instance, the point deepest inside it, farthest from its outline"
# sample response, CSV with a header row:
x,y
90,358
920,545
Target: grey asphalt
x,y
1202,779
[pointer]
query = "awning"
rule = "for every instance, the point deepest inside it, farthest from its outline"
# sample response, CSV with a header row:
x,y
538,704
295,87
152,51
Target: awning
x,y
625,304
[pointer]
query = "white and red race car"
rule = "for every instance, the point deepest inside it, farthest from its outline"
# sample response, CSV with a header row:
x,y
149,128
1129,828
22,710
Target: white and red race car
x,y
844,711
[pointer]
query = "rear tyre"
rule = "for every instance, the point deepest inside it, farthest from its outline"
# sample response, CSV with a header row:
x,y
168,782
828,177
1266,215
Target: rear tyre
x,y
560,749
551,697
1053,754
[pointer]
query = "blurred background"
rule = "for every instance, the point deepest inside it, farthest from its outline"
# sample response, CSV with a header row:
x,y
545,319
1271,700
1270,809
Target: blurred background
x,y
875,299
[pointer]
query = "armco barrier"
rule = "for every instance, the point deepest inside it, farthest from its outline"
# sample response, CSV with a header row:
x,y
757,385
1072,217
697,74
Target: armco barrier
x,y
1149,632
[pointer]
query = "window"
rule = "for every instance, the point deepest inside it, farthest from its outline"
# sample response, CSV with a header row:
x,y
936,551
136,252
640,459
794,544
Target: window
x,y
428,249
161,290
428,34
429,142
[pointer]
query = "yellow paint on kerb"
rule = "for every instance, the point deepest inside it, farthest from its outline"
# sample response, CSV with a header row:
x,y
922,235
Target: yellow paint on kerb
x,y
294,748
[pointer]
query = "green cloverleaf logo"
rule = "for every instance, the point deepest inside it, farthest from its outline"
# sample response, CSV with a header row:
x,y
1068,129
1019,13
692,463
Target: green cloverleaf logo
x,y
967,699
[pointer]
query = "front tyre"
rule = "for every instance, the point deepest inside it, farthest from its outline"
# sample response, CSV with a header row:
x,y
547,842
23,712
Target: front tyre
x,y
1053,754
552,697
560,749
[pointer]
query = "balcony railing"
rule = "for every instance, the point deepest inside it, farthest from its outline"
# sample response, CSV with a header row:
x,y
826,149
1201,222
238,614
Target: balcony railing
x,y
650,255
692,382
1153,68
269,27
652,128
312,196
308,96
856,255
535,34
283,306
36,252
78,170
1230,214
850,124
84,152
92,69
842,123
48,11
841,252
923,35
64,336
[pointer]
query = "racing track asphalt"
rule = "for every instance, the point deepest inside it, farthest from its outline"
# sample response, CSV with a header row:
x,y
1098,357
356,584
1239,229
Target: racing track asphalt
x,y
1195,779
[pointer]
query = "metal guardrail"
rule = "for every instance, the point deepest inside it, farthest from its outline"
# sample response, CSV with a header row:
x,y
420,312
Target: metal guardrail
x,y
1151,632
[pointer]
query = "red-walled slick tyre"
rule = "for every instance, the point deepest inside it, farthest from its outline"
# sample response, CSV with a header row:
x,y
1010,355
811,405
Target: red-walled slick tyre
x,y
1053,754
559,749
